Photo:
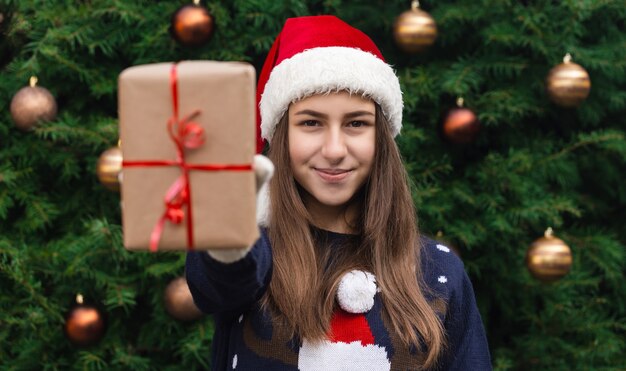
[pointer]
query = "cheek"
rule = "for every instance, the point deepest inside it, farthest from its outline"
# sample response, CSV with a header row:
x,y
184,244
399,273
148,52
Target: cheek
x,y
301,147
366,150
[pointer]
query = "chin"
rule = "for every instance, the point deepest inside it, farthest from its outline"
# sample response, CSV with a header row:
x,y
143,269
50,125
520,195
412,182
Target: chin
x,y
332,199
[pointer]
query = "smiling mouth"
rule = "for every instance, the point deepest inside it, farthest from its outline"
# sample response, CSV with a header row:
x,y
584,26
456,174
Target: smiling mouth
x,y
332,175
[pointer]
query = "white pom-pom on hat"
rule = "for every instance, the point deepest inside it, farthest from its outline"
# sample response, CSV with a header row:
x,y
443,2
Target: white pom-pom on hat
x,y
356,291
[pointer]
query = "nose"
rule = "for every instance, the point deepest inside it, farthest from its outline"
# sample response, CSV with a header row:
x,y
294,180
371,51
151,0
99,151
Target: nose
x,y
334,148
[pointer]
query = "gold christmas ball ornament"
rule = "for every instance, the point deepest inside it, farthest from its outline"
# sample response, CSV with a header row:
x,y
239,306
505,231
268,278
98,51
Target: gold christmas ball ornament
x,y
568,84
179,302
31,105
414,30
549,258
109,168
460,125
84,324
192,25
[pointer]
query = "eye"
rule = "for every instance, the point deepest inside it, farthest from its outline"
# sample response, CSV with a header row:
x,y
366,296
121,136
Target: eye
x,y
310,123
357,124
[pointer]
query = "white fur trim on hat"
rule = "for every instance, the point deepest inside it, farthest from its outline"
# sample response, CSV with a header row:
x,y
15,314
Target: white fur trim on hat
x,y
328,69
356,291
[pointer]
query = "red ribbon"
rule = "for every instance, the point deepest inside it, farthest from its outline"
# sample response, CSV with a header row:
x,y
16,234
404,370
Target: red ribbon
x,y
185,134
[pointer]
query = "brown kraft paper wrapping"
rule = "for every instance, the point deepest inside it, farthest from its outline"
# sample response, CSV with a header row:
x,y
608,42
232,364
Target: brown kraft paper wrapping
x,y
223,201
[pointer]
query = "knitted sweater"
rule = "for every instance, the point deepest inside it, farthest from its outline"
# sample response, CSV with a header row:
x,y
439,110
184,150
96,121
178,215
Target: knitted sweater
x,y
245,338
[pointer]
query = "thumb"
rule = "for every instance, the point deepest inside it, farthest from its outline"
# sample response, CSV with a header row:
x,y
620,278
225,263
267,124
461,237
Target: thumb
x,y
263,170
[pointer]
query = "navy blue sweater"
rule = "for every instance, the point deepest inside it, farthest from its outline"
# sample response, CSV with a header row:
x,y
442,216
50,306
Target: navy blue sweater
x,y
246,339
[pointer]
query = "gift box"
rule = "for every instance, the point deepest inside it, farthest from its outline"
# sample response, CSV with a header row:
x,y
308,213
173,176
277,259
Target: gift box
x,y
187,134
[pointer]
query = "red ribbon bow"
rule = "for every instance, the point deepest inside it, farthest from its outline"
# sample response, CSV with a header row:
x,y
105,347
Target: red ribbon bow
x,y
185,134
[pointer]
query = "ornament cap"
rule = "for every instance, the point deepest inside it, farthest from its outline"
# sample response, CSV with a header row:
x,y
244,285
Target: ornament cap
x,y
567,58
196,2
460,101
415,5
548,233
79,298
33,81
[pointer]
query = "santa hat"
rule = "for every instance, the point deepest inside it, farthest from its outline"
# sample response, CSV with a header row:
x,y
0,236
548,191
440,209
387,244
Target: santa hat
x,y
351,344
322,54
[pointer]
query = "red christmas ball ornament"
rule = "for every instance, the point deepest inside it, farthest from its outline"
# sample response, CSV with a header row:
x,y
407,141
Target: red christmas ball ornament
x,y
460,124
84,324
192,25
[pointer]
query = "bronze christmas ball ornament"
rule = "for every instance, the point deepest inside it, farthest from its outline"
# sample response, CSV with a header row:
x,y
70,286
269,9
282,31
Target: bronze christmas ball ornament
x,y
460,124
549,258
31,105
414,30
192,25
84,324
179,302
109,168
568,84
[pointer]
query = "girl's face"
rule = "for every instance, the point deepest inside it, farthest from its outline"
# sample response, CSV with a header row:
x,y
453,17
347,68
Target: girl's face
x,y
331,145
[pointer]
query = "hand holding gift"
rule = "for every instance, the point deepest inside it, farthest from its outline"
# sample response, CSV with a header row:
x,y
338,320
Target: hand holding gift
x,y
263,170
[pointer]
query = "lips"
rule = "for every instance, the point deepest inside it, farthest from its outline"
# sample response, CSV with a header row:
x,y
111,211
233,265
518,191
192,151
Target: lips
x,y
333,175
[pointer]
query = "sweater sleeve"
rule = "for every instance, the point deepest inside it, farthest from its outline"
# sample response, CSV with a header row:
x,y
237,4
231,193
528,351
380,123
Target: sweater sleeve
x,y
219,287
467,343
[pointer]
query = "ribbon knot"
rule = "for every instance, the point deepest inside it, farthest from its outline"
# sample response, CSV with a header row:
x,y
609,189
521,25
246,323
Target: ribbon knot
x,y
175,214
186,133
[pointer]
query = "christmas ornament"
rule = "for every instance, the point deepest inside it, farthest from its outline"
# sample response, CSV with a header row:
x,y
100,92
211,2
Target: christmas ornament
x,y
192,25
32,104
549,258
568,84
109,168
179,302
84,324
460,125
414,30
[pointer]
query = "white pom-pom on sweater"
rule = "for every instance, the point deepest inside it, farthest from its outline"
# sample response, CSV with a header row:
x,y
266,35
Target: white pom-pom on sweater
x,y
356,291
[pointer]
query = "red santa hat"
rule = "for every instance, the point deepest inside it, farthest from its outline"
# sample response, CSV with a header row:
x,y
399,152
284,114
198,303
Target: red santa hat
x,y
351,344
321,54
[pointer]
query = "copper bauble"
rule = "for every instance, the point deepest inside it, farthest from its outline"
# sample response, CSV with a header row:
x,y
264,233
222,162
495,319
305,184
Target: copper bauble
x,y
460,125
192,25
84,324
414,30
179,302
109,168
549,258
31,105
568,84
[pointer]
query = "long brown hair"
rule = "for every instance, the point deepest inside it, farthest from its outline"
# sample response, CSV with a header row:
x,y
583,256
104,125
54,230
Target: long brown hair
x,y
388,245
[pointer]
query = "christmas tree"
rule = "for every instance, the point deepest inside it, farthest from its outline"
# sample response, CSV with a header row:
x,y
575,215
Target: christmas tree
x,y
534,164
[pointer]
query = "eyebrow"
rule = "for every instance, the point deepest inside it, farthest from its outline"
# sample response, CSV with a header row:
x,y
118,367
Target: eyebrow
x,y
325,116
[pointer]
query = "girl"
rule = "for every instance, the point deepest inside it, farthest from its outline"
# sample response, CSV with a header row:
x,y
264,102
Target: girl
x,y
340,278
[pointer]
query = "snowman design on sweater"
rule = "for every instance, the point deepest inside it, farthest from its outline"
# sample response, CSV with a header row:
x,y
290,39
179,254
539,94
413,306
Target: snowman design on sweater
x,y
351,344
